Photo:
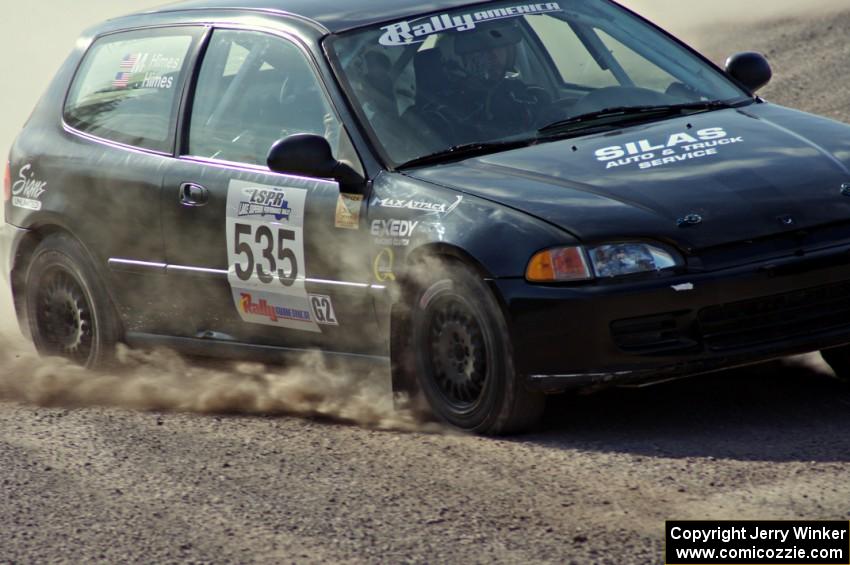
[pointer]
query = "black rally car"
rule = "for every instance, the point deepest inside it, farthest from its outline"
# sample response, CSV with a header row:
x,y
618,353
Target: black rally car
x,y
504,199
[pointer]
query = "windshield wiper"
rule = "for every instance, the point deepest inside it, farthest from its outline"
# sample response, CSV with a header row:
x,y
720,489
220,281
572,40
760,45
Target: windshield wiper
x,y
602,118
465,151
628,114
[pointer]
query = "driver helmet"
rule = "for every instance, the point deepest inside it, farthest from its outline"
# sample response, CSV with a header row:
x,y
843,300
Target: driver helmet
x,y
488,53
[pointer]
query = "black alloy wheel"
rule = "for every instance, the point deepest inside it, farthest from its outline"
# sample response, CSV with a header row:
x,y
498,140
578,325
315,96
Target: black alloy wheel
x,y
458,353
68,308
64,316
462,355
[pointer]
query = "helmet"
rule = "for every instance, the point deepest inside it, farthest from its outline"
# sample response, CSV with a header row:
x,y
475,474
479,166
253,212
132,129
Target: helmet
x,y
489,51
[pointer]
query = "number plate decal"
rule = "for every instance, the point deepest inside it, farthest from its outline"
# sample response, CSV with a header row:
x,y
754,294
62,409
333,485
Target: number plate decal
x,y
265,250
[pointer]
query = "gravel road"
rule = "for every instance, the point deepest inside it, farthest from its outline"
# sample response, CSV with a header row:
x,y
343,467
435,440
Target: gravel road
x,y
93,484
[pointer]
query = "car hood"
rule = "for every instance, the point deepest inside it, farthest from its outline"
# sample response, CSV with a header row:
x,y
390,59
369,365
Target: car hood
x,y
731,175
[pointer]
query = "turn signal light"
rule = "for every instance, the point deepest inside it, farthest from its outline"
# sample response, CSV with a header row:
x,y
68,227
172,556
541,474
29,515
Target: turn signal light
x,y
7,184
558,265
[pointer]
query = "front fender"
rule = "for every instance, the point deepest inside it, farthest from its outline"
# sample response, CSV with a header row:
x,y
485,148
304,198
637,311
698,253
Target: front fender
x,y
414,218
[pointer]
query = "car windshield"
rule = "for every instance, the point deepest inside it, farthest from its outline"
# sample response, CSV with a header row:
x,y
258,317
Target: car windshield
x,y
506,71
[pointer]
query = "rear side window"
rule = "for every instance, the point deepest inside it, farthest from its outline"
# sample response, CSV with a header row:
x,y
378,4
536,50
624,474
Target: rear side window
x,y
129,84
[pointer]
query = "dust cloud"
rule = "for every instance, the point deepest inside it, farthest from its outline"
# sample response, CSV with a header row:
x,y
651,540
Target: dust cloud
x,y
164,381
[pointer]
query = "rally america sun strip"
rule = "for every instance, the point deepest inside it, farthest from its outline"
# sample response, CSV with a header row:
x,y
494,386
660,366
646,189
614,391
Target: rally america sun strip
x,y
417,31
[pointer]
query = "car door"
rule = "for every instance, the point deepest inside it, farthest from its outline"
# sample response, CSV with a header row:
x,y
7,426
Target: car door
x,y
118,137
261,257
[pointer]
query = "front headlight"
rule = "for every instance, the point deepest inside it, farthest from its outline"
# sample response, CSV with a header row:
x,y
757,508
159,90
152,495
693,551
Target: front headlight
x,y
566,264
618,259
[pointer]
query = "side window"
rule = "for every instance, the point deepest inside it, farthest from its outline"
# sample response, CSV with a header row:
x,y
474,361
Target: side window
x,y
128,86
253,89
574,62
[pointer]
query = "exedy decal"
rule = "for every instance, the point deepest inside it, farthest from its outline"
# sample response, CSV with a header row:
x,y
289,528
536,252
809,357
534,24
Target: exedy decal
x,y
27,190
651,153
393,232
417,31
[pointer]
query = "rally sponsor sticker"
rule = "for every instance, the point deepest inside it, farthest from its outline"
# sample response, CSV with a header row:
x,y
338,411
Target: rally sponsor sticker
x,y
417,31
265,249
393,233
28,189
675,148
383,265
419,205
348,211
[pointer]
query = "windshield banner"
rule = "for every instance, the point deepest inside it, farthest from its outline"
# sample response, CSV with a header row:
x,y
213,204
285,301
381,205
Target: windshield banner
x,y
417,31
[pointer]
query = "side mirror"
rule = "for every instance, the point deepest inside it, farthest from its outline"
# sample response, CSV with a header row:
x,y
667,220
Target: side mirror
x,y
750,69
310,155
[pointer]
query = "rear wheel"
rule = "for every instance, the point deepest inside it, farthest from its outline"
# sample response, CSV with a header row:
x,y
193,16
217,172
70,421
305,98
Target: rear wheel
x,y
838,359
463,356
68,309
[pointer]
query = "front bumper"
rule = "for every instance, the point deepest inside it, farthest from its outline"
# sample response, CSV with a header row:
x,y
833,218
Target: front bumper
x,y
622,331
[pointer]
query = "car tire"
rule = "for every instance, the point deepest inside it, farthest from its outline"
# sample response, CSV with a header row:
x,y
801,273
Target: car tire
x,y
838,359
463,357
68,308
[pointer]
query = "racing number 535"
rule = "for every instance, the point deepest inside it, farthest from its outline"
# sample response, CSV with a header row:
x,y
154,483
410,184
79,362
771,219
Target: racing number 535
x,y
273,251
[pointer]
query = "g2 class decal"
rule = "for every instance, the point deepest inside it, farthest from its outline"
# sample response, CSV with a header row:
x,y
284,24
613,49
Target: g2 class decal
x,y
27,190
265,249
651,153
323,310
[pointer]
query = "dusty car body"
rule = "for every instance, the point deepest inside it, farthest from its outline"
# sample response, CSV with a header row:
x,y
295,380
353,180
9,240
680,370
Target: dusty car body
x,y
269,177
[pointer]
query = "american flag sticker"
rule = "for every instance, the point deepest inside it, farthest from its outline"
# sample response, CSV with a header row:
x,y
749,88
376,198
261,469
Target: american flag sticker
x,y
126,67
129,62
121,80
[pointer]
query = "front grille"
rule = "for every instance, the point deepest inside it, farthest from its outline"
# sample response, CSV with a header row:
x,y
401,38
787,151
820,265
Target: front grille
x,y
656,335
774,318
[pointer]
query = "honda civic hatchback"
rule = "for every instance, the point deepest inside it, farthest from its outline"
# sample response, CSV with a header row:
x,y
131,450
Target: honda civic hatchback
x,y
500,200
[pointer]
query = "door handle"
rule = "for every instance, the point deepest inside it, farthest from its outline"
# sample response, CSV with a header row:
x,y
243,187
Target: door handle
x,y
193,195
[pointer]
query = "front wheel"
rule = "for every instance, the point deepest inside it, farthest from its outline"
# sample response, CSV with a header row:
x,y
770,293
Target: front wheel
x,y
68,309
463,356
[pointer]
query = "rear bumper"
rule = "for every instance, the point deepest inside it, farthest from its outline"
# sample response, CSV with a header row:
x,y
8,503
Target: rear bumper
x,y
611,332
10,239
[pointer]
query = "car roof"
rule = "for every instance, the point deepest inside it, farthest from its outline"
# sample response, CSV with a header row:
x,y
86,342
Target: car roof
x,y
333,15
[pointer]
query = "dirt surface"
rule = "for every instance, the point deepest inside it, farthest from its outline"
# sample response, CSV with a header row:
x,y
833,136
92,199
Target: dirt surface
x,y
595,486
